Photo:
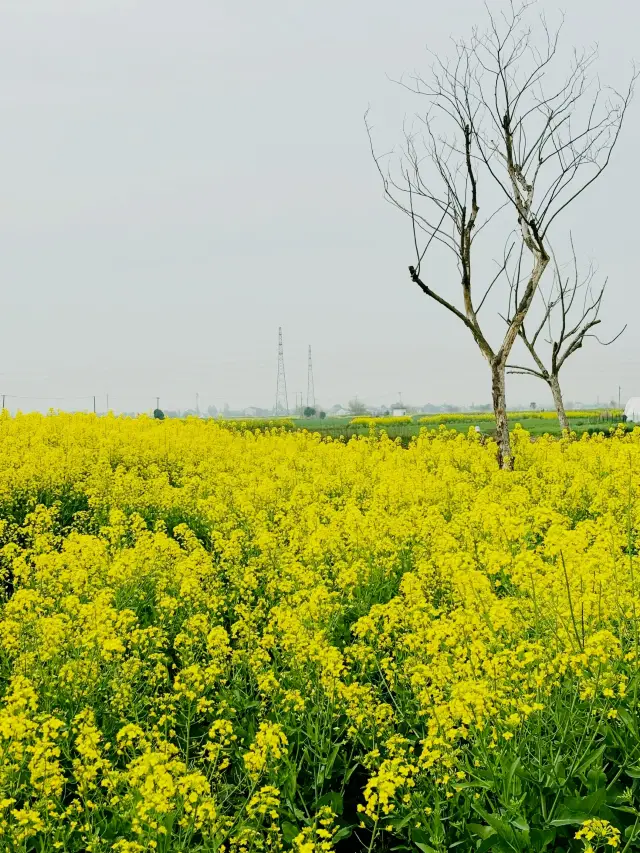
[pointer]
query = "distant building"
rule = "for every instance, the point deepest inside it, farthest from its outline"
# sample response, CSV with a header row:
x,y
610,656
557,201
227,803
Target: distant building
x,y
397,412
251,412
632,410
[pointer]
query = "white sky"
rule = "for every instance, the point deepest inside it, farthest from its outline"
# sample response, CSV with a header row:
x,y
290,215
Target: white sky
x,y
179,179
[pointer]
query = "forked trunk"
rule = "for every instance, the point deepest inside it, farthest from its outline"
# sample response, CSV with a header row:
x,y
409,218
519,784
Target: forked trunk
x,y
505,458
558,402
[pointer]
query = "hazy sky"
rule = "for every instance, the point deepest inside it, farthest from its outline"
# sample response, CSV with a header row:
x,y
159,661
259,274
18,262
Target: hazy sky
x,y
180,179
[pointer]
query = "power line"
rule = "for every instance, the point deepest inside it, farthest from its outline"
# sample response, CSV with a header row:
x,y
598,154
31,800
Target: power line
x,y
32,397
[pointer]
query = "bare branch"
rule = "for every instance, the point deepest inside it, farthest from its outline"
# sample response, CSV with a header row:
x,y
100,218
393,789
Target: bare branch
x,y
574,321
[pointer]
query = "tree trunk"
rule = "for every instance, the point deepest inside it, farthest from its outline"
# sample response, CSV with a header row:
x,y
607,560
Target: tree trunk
x,y
554,384
505,459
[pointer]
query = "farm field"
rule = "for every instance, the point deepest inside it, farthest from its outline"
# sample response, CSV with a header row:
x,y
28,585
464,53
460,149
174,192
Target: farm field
x,y
219,640
536,424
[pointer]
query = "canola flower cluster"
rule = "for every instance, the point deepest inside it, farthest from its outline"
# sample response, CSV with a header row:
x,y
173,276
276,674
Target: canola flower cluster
x,y
572,414
256,423
366,420
236,641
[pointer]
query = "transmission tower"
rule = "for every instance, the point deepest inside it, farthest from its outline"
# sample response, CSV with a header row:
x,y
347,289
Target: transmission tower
x,y
282,404
311,394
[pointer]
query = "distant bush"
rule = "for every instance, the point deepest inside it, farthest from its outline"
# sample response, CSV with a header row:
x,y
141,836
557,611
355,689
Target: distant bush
x,y
611,431
258,423
158,414
322,415
457,417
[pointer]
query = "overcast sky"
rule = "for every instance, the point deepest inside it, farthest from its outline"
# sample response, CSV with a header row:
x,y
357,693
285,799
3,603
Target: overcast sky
x,y
180,179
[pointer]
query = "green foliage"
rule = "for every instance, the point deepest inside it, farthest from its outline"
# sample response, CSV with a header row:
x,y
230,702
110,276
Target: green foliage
x,y
258,423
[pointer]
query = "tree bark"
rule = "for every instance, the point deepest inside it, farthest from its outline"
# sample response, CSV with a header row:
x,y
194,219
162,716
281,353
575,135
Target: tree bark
x,y
554,384
505,459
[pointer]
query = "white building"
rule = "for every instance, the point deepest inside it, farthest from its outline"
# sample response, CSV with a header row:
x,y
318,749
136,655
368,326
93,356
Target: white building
x,y
398,413
632,410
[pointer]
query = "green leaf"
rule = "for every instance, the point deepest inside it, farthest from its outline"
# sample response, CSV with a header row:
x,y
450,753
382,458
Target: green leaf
x,y
588,761
300,815
424,847
289,831
596,779
331,760
559,773
497,823
491,843
349,772
573,820
401,822
542,838
627,719
343,832
578,809
627,809
632,832
419,836
291,784
332,799
481,830
633,771
515,764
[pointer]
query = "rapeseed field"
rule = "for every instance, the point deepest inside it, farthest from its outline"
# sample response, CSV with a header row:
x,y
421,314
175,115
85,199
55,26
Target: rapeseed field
x,y
219,640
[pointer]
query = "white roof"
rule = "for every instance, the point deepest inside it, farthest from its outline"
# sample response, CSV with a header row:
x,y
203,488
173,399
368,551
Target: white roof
x,y
632,410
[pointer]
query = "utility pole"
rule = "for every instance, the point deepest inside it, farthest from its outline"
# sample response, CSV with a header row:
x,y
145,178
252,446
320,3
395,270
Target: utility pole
x,y
282,403
157,402
94,404
311,391
107,404
619,390
197,404
3,396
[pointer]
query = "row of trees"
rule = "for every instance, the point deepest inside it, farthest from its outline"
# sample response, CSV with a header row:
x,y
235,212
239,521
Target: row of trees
x,y
504,147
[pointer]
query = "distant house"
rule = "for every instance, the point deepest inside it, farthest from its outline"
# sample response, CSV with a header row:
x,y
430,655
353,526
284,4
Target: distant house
x,y
340,412
632,410
397,412
251,412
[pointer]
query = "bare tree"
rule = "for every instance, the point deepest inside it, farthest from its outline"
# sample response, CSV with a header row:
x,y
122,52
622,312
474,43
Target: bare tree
x,y
569,316
498,126
357,407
